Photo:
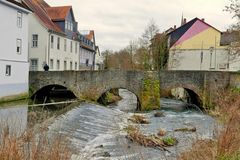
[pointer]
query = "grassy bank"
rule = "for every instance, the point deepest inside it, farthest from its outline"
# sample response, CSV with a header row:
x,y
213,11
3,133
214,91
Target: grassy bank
x,y
13,98
226,145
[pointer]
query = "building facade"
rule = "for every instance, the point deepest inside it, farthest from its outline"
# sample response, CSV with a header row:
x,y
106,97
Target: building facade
x,y
54,38
14,66
196,46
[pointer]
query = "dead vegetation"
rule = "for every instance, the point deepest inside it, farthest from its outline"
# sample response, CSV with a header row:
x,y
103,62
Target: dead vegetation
x,y
154,141
226,146
139,119
32,147
194,129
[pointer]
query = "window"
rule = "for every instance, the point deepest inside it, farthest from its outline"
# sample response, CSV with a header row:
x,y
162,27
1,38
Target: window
x,y
19,46
58,65
34,40
52,41
87,62
65,65
19,19
76,66
65,45
71,65
76,45
71,26
8,70
51,63
33,64
66,24
71,46
58,43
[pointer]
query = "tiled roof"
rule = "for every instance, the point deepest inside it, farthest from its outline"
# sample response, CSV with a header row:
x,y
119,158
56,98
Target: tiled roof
x,y
90,36
23,5
58,13
41,13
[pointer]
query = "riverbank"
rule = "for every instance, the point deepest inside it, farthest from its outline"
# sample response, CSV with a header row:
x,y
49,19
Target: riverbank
x,y
226,143
14,98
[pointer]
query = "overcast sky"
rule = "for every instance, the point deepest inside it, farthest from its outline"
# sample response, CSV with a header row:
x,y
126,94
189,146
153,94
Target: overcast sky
x,y
116,22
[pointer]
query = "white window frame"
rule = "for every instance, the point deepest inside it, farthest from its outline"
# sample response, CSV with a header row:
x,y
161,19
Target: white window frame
x,y
19,19
76,66
58,64
8,70
58,43
65,65
51,63
19,46
35,66
76,46
71,65
52,41
34,41
65,45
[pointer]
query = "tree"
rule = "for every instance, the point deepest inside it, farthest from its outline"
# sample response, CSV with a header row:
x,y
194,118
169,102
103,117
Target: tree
x,y
234,8
159,49
145,41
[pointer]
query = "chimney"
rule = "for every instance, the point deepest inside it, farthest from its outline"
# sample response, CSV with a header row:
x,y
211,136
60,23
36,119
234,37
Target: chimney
x,y
184,21
203,19
174,27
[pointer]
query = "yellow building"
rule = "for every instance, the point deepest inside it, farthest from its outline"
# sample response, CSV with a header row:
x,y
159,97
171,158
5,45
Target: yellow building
x,y
196,46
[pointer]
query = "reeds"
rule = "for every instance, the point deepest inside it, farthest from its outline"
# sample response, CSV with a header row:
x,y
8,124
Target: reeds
x,y
33,147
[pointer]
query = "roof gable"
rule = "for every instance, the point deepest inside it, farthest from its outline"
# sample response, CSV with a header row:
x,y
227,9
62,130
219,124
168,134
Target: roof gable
x,y
188,30
195,29
42,15
179,32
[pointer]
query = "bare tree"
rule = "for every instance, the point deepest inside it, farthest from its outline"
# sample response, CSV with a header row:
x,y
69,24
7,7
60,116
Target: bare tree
x,y
145,41
234,8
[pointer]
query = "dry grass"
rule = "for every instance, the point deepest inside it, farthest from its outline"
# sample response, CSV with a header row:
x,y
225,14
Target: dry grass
x,y
227,144
139,119
31,147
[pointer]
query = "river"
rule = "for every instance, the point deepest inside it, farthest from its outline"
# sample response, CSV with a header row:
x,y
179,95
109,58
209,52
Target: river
x,y
98,133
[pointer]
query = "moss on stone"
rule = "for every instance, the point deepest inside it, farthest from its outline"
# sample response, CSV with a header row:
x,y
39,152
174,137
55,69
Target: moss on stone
x,y
150,95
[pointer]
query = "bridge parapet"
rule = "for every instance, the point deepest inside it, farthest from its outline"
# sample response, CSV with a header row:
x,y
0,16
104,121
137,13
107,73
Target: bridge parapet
x,y
91,85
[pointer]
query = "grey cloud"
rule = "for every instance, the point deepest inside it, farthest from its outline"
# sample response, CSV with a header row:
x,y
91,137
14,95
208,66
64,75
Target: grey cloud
x,y
116,22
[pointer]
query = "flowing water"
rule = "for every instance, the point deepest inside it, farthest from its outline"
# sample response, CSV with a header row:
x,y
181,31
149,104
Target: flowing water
x,y
98,133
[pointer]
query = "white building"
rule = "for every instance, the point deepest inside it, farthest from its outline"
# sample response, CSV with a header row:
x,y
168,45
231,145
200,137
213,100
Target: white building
x,y
53,37
14,49
87,50
99,60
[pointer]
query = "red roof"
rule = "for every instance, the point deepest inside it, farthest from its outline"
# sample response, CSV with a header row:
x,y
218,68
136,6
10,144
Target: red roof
x,y
37,6
58,13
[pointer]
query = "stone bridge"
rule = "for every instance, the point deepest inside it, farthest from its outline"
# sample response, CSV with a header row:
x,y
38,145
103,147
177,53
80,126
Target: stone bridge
x,y
91,85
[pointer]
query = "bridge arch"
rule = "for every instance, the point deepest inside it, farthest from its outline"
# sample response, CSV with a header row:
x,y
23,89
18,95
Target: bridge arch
x,y
45,91
195,93
105,90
